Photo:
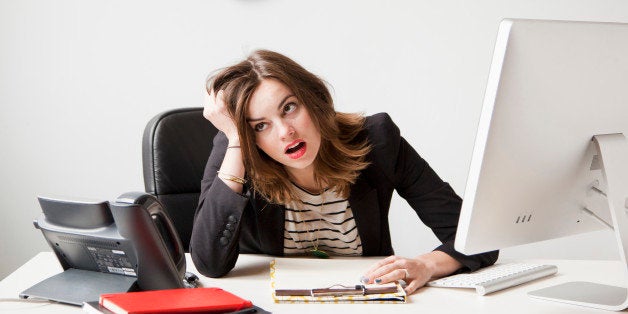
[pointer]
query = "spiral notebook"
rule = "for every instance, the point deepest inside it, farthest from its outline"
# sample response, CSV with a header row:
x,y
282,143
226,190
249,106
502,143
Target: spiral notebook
x,y
305,280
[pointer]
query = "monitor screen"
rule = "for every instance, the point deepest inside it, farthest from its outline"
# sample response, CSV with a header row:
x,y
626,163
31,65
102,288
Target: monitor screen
x,y
552,86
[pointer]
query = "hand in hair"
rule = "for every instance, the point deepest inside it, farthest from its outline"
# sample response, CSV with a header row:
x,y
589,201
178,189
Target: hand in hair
x,y
216,112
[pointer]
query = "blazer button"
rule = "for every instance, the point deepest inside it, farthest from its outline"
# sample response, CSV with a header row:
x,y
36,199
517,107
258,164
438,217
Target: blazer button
x,y
224,241
232,219
230,227
227,234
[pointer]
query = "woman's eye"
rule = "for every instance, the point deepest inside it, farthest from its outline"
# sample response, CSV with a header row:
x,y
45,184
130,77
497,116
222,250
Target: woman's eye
x,y
290,107
260,127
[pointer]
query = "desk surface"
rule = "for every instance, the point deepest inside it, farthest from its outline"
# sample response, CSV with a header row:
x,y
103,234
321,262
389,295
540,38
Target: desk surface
x,y
250,279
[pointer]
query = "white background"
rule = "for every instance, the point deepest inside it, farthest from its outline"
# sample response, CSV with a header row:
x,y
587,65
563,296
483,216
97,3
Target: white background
x,y
80,79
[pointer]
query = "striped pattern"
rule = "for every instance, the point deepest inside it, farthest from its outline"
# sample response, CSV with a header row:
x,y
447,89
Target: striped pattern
x,y
324,216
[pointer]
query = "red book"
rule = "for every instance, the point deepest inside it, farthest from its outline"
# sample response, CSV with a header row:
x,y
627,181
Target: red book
x,y
183,300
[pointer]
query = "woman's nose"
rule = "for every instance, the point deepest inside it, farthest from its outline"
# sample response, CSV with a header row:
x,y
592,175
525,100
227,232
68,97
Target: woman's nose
x,y
285,130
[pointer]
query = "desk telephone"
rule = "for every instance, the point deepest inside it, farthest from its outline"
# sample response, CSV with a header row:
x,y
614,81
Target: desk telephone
x,y
127,245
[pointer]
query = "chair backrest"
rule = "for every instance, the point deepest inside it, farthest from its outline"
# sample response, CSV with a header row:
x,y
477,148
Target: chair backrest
x,y
175,148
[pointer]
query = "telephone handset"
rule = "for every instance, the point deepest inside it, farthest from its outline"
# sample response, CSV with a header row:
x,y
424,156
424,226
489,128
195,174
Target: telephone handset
x,y
167,231
155,225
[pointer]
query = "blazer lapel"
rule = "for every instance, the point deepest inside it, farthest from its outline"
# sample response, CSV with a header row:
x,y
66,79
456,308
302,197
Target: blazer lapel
x,y
365,207
270,224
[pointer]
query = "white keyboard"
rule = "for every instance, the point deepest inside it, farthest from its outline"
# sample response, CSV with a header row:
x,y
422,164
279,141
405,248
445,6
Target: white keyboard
x,y
496,277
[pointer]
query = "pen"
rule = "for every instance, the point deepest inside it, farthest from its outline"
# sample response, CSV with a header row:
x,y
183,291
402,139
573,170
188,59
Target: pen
x,y
354,290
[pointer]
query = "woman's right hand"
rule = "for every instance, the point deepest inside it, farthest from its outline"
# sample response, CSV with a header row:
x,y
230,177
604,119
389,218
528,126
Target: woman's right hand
x,y
215,110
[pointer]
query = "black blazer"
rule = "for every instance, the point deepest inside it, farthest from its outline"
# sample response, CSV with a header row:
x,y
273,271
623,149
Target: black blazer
x,y
227,223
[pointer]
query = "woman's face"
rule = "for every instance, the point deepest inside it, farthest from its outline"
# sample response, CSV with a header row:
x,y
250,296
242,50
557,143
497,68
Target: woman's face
x,y
283,127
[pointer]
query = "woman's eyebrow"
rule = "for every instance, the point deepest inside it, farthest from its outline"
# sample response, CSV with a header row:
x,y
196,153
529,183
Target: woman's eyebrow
x,y
283,101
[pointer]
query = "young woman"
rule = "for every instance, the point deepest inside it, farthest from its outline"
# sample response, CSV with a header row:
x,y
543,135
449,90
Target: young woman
x,y
289,175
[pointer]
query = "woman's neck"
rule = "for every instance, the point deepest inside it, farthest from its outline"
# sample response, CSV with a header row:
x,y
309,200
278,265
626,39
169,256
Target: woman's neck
x,y
304,178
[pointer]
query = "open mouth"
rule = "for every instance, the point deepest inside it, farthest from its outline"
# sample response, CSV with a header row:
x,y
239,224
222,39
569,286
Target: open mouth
x,y
297,150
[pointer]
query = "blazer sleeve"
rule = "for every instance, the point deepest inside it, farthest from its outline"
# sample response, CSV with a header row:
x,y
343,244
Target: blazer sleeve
x,y
214,240
434,200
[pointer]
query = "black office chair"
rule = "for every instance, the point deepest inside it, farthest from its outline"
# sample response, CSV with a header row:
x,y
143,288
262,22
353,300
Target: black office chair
x,y
175,148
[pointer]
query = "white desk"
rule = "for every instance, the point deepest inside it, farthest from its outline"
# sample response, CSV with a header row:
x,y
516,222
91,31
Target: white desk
x,y
250,279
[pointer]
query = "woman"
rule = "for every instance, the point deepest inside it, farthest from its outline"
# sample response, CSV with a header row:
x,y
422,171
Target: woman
x,y
289,175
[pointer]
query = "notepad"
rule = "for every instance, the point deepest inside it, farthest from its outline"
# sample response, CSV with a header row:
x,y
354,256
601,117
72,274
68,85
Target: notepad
x,y
303,280
194,300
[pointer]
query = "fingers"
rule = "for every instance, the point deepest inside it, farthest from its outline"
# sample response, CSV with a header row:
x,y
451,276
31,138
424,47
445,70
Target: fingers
x,y
215,110
207,103
387,270
392,276
394,268
413,285
213,101
207,97
376,266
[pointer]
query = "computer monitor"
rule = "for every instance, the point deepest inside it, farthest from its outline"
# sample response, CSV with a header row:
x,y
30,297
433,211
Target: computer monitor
x,y
550,157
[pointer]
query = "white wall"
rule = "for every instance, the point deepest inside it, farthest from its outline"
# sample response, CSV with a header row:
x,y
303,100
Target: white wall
x,y
79,80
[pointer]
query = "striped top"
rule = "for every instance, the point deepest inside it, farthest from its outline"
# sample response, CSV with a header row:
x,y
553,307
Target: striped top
x,y
323,219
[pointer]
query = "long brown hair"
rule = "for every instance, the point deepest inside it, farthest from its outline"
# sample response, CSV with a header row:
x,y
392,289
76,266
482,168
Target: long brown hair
x,y
341,156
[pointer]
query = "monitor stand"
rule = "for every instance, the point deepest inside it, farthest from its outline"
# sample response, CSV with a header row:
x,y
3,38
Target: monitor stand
x,y
612,151
75,286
